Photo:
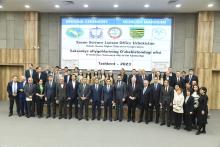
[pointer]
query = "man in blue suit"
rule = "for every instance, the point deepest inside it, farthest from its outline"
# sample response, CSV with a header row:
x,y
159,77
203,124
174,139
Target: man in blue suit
x,y
50,93
21,94
12,90
107,97
119,97
96,95
72,88
145,97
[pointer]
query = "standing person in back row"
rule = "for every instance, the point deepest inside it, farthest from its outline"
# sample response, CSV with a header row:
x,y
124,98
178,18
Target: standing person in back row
x,y
119,97
84,94
12,90
191,77
166,101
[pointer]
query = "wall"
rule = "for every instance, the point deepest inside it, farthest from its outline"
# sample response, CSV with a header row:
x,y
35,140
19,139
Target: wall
x,y
216,47
183,47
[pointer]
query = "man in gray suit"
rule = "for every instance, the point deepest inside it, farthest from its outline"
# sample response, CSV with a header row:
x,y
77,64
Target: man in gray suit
x,y
61,96
166,101
30,90
119,97
84,93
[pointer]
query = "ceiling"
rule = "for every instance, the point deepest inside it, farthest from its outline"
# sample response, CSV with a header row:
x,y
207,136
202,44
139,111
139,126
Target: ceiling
x,y
187,6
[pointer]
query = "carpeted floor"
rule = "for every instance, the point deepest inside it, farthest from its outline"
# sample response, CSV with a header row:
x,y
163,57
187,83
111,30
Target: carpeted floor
x,y
34,132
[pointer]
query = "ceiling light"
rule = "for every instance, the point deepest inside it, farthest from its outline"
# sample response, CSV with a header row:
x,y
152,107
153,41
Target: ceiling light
x,y
178,5
85,5
1,6
27,6
146,5
57,6
210,5
115,5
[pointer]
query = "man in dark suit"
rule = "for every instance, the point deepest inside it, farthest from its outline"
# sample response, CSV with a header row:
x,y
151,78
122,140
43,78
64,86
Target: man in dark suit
x,y
142,76
169,78
12,90
134,74
152,75
67,76
179,80
133,91
120,94
107,97
191,77
155,99
61,96
145,96
84,92
30,91
50,93
72,94
166,101
21,94
30,72
40,75
96,94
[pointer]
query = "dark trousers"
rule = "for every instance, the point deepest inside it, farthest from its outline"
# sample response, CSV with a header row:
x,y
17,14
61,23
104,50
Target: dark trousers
x,y
144,109
62,108
23,105
131,109
71,102
29,108
40,104
13,99
96,106
51,101
177,119
167,112
33,106
108,109
84,103
156,106
188,121
119,109
194,117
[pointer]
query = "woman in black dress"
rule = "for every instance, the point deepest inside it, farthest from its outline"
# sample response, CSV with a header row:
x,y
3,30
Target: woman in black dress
x,y
202,111
188,110
40,98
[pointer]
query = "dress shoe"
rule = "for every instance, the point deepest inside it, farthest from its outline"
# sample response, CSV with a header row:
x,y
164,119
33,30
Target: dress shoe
x,y
10,114
198,132
162,124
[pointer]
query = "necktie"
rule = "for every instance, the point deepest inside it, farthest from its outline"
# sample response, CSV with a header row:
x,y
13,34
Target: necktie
x,y
50,84
96,87
155,86
133,86
108,88
73,85
144,90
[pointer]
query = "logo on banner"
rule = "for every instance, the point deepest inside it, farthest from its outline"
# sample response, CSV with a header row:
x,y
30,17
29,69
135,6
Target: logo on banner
x,y
115,32
74,32
137,32
96,33
159,33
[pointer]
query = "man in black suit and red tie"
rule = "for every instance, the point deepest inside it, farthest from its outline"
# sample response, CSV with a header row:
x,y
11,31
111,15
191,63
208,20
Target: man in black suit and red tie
x,y
191,77
12,90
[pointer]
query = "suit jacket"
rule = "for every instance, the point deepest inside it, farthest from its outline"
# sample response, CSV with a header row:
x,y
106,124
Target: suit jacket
x,y
30,90
61,92
171,80
133,92
146,96
50,92
27,74
9,88
96,95
194,78
189,105
107,95
181,82
138,79
21,86
142,79
125,78
155,93
67,78
120,92
43,77
150,77
84,91
166,96
72,92
39,91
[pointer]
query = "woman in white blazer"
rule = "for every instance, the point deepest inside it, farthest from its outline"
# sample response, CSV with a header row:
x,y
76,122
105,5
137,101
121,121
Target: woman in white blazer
x,y
178,102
